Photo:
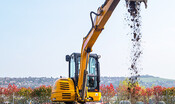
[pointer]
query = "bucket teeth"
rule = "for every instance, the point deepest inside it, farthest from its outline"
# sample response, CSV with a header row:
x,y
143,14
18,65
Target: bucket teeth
x,y
145,1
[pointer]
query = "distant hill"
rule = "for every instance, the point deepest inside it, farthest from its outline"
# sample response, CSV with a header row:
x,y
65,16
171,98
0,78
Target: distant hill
x,y
148,78
148,81
27,81
144,80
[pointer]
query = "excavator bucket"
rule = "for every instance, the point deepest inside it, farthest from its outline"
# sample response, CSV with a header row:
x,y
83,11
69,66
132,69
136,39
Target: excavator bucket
x,y
144,1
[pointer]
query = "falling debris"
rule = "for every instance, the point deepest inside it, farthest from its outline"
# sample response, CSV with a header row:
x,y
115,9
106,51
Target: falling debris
x,y
134,22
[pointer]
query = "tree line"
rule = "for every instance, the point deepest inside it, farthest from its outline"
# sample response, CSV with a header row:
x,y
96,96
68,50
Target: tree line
x,y
123,92
25,95
137,93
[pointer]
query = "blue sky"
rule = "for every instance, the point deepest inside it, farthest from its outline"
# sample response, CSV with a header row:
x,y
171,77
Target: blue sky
x,y
36,35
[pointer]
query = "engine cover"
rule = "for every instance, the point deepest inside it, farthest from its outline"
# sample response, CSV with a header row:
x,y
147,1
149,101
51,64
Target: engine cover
x,y
63,90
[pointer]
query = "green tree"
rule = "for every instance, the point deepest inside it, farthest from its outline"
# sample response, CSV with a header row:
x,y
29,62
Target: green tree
x,y
25,94
122,90
41,94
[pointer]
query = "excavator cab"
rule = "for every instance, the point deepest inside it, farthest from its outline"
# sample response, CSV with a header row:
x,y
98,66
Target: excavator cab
x,y
64,89
93,77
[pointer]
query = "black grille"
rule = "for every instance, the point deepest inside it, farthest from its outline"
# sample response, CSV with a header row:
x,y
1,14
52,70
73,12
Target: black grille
x,y
66,95
64,79
64,86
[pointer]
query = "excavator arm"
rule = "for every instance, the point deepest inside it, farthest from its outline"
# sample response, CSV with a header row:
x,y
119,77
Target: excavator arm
x,y
103,14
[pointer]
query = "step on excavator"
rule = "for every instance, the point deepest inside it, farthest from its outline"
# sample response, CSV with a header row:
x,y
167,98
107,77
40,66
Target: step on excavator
x,y
84,69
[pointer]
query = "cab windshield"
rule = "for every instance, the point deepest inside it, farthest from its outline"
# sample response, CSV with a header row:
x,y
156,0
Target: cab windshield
x,y
92,73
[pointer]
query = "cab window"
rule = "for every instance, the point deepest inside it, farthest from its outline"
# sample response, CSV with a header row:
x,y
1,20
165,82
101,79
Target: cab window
x,y
72,68
92,73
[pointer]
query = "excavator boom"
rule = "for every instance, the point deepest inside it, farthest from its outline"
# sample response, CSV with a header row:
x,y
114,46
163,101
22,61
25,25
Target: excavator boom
x,y
103,14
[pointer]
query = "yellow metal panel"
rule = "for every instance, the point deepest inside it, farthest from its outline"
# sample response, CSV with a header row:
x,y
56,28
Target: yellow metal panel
x,y
95,95
63,90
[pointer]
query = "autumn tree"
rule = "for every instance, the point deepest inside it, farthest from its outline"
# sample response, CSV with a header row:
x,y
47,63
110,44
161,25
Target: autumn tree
x,y
1,95
149,92
169,94
157,91
8,92
143,95
107,92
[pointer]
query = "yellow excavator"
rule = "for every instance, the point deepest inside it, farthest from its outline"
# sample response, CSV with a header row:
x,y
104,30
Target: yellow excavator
x,y
84,70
